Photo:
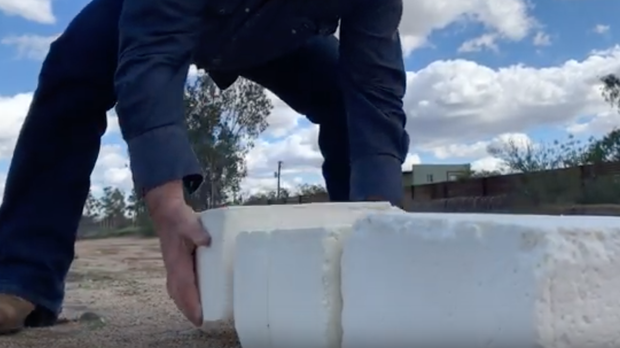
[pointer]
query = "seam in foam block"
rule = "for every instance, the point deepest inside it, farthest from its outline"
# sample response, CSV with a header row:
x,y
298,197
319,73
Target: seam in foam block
x,y
287,288
481,280
215,264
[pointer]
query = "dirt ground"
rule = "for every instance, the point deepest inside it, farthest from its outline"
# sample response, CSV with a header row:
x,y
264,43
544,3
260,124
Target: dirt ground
x,y
116,297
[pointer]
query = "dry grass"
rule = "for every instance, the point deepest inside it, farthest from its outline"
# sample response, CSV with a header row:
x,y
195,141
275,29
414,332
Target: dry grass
x,y
116,298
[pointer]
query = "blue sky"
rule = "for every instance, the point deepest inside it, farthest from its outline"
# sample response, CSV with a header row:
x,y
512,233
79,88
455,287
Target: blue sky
x,y
479,71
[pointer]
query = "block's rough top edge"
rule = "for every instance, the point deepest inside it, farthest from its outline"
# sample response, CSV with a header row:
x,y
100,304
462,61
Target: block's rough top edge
x,y
552,238
354,205
540,222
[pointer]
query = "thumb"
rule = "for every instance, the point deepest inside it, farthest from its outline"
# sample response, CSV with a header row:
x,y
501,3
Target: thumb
x,y
198,234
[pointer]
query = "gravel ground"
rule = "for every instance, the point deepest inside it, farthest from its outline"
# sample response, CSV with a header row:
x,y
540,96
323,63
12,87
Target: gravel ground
x,y
116,298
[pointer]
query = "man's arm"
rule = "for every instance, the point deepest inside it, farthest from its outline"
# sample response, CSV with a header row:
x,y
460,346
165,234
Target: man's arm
x,y
374,82
157,38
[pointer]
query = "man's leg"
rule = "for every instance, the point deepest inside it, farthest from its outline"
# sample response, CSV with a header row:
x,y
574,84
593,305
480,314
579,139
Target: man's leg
x,y
307,80
49,176
374,82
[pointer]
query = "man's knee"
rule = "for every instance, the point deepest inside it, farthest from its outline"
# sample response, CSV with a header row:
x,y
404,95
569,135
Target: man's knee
x,y
79,71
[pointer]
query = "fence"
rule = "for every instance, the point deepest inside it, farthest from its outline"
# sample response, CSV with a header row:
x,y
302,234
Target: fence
x,y
497,193
109,226
315,198
507,184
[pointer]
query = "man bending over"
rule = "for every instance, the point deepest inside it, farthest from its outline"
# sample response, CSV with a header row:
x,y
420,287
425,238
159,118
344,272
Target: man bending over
x,y
135,54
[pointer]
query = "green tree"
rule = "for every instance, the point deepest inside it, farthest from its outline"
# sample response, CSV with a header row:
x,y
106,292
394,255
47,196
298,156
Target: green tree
x,y
268,197
223,126
607,149
311,189
611,90
257,198
542,182
114,207
136,208
92,207
281,196
91,215
518,157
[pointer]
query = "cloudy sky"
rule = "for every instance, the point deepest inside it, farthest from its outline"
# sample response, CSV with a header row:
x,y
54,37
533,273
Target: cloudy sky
x,y
479,71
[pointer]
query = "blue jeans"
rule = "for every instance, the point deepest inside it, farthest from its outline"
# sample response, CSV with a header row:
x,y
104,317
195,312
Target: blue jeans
x,y
49,176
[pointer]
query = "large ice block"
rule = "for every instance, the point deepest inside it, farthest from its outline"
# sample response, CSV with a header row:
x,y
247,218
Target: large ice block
x,y
215,264
287,288
424,280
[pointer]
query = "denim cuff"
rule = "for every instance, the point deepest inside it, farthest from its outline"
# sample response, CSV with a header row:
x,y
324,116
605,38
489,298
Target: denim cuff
x,y
377,177
162,155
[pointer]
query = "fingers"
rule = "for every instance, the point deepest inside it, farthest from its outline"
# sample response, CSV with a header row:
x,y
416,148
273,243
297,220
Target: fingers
x,y
184,236
183,289
198,235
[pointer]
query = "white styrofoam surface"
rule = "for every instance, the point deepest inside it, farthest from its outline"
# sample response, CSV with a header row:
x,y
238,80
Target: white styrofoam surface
x,y
287,288
481,281
215,264
251,290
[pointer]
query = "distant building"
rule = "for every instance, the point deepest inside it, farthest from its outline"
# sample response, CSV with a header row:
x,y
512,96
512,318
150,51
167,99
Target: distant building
x,y
423,174
407,179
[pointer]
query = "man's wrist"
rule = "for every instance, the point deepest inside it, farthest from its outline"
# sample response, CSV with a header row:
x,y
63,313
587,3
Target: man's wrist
x,y
161,201
161,156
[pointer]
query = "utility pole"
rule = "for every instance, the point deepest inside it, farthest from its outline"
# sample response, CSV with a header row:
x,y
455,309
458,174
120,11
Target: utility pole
x,y
277,176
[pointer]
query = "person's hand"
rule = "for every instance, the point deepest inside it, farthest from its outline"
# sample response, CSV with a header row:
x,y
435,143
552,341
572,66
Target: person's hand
x,y
180,233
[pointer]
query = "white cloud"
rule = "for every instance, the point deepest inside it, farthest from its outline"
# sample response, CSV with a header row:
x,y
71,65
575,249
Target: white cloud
x,y
601,123
112,168
411,159
283,119
475,149
113,126
541,39
486,41
479,150
503,19
254,185
13,110
35,10
2,185
488,163
601,29
33,47
460,101
298,152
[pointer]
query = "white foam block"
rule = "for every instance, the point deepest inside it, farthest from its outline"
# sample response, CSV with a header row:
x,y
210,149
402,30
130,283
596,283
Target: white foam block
x,y
215,264
251,290
481,281
287,288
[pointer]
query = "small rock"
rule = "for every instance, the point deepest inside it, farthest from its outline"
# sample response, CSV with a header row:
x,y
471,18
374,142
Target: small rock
x,y
88,317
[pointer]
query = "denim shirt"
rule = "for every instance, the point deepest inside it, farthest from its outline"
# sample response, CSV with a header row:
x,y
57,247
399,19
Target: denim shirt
x,y
256,31
160,38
